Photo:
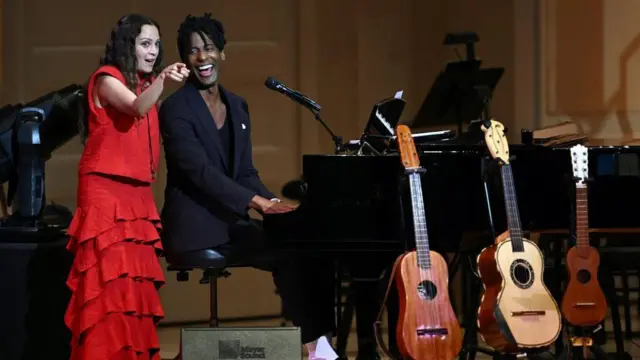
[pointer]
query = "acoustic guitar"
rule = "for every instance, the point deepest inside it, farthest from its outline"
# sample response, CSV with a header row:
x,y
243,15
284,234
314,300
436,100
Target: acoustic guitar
x,y
583,303
517,310
427,326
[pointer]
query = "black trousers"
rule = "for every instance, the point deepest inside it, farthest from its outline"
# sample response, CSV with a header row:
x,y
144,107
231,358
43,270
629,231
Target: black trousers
x,y
306,284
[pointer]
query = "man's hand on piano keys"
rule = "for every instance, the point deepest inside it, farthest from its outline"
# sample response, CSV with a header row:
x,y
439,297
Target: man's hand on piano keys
x,y
266,206
279,208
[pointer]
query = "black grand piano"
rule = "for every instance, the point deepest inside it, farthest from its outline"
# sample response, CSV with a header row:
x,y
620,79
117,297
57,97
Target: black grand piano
x,y
356,201
351,205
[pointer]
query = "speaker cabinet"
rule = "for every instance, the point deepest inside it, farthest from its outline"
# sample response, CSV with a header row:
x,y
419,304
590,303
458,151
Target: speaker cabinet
x,y
231,343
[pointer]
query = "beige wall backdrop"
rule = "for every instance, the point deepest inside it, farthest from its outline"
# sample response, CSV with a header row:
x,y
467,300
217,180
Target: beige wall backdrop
x,y
591,66
570,59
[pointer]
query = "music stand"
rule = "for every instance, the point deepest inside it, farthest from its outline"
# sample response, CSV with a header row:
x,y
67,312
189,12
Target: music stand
x,y
458,95
381,125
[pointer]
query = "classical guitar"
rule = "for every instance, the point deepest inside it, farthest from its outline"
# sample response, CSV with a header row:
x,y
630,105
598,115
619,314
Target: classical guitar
x,y
517,310
427,326
583,303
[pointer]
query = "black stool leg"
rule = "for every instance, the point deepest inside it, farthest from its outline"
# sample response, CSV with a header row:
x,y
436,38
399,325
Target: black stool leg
x,y
211,276
214,320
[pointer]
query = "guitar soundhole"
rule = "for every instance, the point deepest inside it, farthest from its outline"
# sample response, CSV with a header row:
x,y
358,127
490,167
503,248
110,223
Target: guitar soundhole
x,y
427,290
583,276
522,273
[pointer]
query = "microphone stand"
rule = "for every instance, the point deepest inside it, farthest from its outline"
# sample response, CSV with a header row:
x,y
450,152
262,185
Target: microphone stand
x,y
311,105
337,140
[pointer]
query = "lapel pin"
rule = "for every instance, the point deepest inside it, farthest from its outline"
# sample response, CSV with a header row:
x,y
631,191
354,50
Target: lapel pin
x,y
244,126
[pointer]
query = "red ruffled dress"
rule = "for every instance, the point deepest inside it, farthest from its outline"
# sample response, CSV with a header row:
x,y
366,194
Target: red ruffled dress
x,y
116,273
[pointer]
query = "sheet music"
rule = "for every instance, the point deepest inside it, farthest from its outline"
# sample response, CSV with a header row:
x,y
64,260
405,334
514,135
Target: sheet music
x,y
384,122
324,350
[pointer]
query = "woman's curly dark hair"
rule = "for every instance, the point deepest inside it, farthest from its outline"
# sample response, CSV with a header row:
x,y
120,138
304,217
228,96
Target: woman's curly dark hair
x,y
120,52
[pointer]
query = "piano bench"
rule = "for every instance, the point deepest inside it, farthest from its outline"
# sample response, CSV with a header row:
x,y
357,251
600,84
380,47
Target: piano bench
x,y
208,274
213,265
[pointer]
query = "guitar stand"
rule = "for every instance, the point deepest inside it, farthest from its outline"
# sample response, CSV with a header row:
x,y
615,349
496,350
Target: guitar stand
x,y
580,347
485,166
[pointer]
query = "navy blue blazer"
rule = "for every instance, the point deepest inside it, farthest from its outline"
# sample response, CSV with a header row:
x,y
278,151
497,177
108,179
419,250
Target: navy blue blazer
x,y
203,196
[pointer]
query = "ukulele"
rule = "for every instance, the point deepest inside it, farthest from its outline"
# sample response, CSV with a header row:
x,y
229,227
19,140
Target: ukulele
x,y
583,303
427,326
517,310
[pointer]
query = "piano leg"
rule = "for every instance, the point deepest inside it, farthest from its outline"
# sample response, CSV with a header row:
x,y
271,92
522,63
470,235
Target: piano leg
x,y
345,312
365,290
364,297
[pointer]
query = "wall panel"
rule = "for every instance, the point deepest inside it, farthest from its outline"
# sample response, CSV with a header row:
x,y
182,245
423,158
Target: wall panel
x,y
591,66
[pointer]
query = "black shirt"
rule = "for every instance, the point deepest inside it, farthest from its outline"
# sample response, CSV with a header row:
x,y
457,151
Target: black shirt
x,y
226,138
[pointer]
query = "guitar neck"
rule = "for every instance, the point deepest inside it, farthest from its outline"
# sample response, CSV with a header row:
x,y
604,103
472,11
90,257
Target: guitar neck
x,y
419,222
511,204
582,216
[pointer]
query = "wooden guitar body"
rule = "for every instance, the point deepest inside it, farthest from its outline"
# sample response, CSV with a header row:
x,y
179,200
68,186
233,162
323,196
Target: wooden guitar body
x,y
492,282
583,303
525,315
427,325
517,311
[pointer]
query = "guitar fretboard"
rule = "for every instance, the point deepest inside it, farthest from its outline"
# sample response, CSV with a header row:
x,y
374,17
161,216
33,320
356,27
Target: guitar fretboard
x,y
511,204
582,219
419,222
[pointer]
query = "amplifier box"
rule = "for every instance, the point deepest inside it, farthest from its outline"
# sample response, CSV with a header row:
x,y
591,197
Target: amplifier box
x,y
231,343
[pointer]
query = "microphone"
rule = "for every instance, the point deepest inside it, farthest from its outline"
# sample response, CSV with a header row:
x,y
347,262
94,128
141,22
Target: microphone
x,y
301,99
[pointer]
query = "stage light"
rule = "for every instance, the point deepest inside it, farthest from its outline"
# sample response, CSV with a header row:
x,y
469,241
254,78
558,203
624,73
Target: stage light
x,y
29,134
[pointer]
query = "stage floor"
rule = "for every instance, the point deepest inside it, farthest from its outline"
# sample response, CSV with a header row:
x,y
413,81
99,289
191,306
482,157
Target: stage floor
x,y
170,337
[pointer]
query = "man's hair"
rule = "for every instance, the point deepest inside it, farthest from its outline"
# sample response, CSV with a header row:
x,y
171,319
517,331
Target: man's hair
x,y
204,26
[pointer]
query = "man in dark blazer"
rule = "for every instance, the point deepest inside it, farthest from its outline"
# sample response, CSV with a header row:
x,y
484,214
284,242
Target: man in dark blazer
x,y
212,183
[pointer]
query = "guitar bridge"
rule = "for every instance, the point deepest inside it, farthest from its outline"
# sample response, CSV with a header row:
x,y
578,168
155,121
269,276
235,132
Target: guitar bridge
x,y
433,332
584,304
528,313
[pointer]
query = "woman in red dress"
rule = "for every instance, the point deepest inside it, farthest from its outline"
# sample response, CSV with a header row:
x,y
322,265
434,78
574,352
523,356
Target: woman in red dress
x,y
114,234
